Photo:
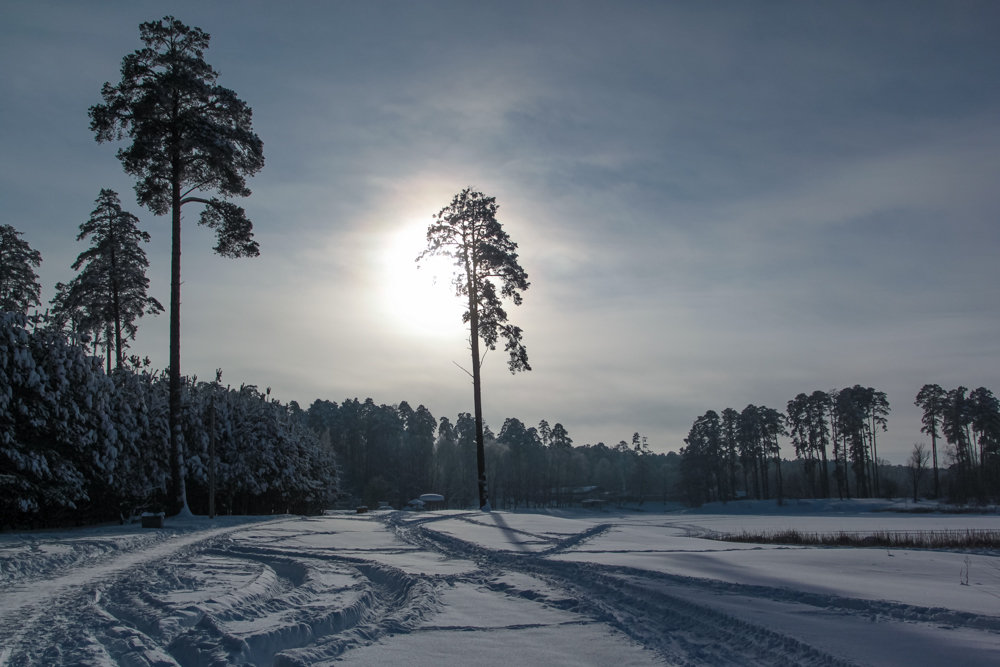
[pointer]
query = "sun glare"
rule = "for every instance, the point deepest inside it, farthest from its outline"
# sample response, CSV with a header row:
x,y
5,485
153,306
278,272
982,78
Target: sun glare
x,y
421,299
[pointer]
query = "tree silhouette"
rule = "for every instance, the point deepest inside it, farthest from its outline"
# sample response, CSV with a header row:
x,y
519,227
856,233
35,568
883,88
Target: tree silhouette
x,y
931,399
851,407
916,464
729,433
799,429
955,422
468,232
19,289
751,449
67,310
984,409
112,283
818,409
807,425
189,136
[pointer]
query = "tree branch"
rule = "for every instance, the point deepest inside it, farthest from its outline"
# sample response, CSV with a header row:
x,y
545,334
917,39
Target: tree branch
x,y
462,369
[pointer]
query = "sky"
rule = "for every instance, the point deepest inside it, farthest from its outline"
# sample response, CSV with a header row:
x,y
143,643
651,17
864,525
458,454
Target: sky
x,y
717,204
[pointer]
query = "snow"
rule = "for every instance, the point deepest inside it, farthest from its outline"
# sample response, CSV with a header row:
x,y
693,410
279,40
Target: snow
x,y
573,587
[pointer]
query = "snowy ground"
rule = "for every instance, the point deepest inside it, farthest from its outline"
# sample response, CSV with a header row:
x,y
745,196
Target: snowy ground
x,y
459,588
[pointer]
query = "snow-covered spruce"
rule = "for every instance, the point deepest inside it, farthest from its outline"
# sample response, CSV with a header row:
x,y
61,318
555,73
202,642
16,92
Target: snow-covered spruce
x,y
80,446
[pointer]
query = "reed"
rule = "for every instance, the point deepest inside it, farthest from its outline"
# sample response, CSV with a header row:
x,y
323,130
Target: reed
x,y
909,539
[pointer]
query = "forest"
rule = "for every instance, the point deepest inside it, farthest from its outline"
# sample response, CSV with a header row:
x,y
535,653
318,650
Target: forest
x,y
82,445
834,436
393,453
89,433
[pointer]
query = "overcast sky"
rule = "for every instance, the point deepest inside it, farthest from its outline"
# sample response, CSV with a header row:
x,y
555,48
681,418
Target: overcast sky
x,y
716,203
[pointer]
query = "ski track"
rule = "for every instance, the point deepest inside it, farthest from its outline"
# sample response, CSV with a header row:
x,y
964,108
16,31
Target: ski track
x,y
222,596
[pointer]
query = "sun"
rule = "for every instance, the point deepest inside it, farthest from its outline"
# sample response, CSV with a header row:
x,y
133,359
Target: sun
x,y
422,300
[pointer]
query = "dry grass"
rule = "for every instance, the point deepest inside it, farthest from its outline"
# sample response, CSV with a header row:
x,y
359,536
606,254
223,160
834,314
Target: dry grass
x,y
941,509
924,539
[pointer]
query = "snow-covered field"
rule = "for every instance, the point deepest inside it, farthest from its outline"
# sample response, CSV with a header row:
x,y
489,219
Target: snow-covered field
x,y
459,588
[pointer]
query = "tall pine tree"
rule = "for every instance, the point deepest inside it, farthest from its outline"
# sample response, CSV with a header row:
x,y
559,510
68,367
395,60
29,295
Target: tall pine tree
x,y
932,400
190,136
468,232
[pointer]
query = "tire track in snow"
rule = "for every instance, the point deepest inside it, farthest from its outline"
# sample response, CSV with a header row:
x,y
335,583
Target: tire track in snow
x,y
393,601
398,603
282,608
217,600
45,620
761,624
288,615
681,631
558,545
883,609
575,540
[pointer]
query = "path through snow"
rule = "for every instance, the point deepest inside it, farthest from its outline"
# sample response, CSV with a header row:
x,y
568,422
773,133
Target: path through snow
x,y
452,588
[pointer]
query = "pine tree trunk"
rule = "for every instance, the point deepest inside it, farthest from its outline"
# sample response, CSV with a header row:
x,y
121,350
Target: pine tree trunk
x,y
765,485
107,349
777,466
211,456
934,452
825,485
477,399
116,305
118,338
847,470
875,478
177,491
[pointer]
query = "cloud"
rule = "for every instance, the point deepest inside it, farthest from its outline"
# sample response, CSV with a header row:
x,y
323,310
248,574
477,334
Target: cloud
x,y
715,206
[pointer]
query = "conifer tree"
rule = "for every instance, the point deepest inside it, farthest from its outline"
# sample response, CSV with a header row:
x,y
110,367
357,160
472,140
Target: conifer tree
x,y
985,421
807,426
113,282
190,137
955,423
931,399
729,432
19,289
467,231
67,311
818,409
797,418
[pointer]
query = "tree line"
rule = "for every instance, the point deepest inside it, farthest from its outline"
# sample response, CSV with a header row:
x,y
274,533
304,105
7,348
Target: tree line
x,y
969,425
394,453
835,435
